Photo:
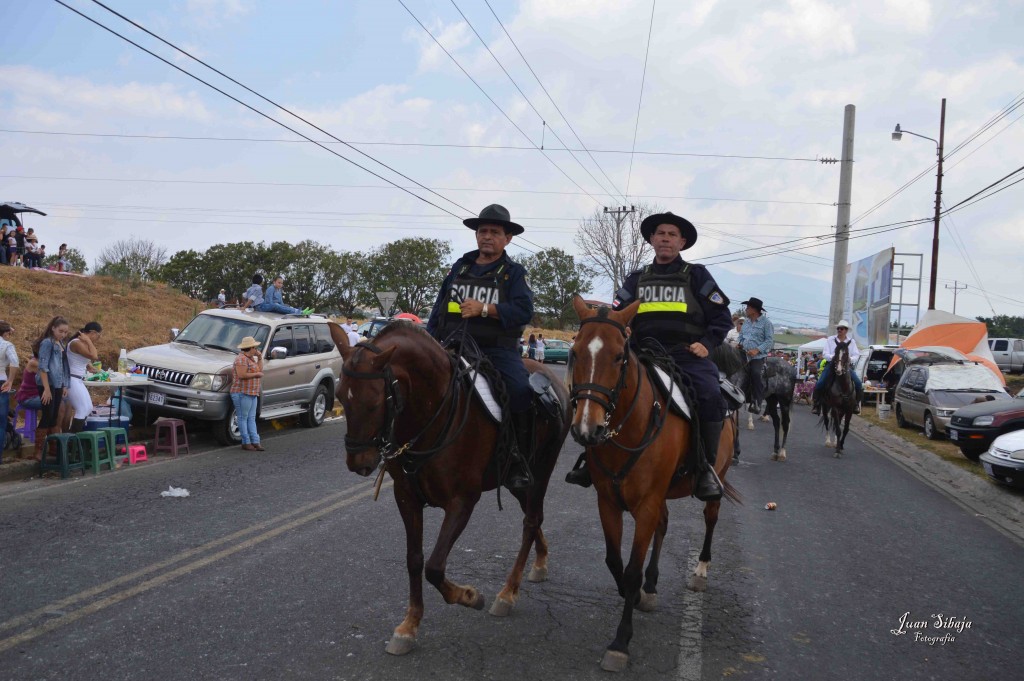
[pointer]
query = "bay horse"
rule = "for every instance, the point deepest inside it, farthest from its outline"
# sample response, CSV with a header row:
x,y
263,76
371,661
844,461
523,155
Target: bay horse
x,y
409,412
780,383
839,400
635,444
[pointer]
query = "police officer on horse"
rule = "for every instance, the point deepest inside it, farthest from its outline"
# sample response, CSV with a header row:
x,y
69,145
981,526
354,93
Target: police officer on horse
x,y
683,309
488,291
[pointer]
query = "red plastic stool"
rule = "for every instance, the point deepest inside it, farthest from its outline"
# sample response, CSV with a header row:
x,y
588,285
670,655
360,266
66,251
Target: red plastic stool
x,y
169,429
137,453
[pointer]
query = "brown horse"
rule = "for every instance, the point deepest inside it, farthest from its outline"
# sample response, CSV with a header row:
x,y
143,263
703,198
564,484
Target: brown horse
x,y
408,410
634,445
839,400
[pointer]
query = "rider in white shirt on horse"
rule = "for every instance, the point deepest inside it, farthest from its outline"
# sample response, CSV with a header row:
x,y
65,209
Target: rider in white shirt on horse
x,y
842,335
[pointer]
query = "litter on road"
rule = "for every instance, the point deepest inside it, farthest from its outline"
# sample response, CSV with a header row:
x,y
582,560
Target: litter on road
x,y
173,491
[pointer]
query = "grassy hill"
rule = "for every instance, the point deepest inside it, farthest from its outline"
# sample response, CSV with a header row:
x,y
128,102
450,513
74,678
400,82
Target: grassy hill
x,y
132,315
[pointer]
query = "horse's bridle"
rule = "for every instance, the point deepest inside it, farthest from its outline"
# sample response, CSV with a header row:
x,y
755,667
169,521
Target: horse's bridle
x,y
577,390
384,440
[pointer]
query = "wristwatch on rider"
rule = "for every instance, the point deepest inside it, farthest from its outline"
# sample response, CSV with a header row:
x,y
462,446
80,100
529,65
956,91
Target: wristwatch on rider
x,y
483,311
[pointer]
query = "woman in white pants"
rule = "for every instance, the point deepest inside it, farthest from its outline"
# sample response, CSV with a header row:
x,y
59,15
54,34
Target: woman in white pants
x,y
81,353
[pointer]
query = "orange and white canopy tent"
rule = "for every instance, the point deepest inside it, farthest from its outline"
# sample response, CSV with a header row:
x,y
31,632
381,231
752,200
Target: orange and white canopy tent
x,y
944,329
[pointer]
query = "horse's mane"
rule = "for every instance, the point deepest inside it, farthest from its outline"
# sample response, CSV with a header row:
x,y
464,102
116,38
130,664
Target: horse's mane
x,y
401,326
727,358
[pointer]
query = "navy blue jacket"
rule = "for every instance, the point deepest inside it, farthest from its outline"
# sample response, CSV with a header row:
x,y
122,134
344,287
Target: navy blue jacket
x,y
514,314
713,302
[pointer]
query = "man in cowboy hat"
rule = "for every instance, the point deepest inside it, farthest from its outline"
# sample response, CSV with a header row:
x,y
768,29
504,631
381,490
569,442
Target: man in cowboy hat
x,y
757,338
488,291
825,377
686,312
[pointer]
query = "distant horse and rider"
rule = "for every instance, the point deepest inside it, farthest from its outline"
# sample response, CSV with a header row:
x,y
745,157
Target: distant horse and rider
x,y
839,391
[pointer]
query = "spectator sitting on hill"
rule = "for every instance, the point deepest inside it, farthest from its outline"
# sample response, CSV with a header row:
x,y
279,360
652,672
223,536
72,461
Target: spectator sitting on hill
x,y
41,255
19,241
62,259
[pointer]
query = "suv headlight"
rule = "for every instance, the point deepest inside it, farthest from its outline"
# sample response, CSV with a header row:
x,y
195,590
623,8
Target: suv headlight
x,y
945,412
984,420
212,382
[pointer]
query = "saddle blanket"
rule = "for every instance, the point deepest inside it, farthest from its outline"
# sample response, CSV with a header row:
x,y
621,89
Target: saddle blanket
x,y
677,401
484,392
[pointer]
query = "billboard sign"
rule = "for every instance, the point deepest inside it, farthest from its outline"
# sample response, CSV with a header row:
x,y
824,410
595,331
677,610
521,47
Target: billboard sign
x,y
868,297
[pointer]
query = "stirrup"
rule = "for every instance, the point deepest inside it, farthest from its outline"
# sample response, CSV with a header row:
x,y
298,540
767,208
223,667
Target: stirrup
x,y
709,487
579,476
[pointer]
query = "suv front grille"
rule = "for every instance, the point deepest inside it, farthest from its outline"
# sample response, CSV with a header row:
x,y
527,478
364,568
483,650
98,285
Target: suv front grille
x,y
166,375
962,420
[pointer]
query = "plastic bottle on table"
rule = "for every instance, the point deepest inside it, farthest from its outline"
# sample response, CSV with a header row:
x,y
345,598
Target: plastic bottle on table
x,y
122,361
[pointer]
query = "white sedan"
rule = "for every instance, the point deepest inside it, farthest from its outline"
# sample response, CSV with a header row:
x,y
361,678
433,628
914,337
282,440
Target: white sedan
x,y
1004,460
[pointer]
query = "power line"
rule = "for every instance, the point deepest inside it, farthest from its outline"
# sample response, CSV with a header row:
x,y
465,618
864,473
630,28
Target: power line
x,y
255,110
643,79
490,99
548,94
445,145
523,94
393,186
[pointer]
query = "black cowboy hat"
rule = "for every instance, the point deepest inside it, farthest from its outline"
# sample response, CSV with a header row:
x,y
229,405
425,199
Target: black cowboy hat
x,y
686,228
755,303
495,215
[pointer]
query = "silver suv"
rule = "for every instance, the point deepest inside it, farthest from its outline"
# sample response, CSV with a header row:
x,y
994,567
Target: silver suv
x,y
192,373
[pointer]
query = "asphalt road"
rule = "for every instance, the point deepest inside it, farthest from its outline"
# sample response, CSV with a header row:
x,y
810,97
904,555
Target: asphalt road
x,y
279,565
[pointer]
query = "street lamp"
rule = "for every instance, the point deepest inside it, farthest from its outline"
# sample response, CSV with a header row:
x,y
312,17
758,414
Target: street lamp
x,y
897,135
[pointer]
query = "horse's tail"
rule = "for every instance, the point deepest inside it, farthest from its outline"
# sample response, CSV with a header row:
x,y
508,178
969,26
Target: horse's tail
x,y
728,359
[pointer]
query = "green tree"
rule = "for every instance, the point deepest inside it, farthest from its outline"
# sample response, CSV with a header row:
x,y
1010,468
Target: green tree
x,y
347,271
1004,326
74,258
132,258
555,278
414,268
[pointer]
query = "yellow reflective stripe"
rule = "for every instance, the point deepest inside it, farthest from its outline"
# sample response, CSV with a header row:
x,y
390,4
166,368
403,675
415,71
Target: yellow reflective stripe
x,y
454,307
661,307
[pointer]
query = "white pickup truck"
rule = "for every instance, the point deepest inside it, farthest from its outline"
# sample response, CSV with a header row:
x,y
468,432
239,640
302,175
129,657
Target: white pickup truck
x,y
1008,353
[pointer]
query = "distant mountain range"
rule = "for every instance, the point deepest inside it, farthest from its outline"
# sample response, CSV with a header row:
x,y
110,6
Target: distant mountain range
x,y
789,299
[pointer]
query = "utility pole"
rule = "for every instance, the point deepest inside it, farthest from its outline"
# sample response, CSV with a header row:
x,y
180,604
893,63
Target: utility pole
x,y
619,214
835,312
938,211
956,287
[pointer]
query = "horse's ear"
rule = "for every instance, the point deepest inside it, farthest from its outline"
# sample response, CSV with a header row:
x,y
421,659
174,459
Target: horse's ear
x,y
626,314
381,360
582,311
340,339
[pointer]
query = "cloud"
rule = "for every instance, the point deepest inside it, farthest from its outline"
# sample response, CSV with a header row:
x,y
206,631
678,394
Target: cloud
x,y
213,13
76,97
454,37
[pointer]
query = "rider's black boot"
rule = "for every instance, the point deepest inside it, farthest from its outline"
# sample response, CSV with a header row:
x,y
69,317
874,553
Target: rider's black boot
x,y
860,398
580,474
519,477
709,487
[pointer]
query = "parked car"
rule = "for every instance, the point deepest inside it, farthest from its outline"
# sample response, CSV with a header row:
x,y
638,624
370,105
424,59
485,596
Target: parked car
x,y
928,394
1004,460
975,426
1008,353
193,373
556,351
372,328
873,367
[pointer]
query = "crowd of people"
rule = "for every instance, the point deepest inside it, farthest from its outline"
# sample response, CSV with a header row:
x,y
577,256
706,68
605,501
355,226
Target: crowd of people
x,y
21,248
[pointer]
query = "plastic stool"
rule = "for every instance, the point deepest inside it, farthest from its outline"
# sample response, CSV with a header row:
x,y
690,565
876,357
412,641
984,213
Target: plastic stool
x,y
137,453
169,428
91,441
27,431
66,445
113,435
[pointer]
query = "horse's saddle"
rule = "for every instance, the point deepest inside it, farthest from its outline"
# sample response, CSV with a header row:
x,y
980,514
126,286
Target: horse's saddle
x,y
733,396
484,389
677,400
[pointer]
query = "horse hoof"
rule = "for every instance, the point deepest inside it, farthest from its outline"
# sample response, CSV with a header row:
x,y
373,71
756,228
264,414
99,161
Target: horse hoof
x,y
400,645
648,602
782,455
614,661
838,455
775,457
478,604
501,608
538,574
698,584
750,425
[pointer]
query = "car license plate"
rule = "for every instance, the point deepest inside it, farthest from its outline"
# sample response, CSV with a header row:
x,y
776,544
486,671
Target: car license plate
x,y
953,435
156,398
988,468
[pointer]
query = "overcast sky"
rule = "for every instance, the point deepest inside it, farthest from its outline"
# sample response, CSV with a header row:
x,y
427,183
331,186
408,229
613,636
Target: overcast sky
x,y
724,80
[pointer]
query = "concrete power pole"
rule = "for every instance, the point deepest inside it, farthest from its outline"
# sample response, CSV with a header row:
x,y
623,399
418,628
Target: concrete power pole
x,y
619,215
835,312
